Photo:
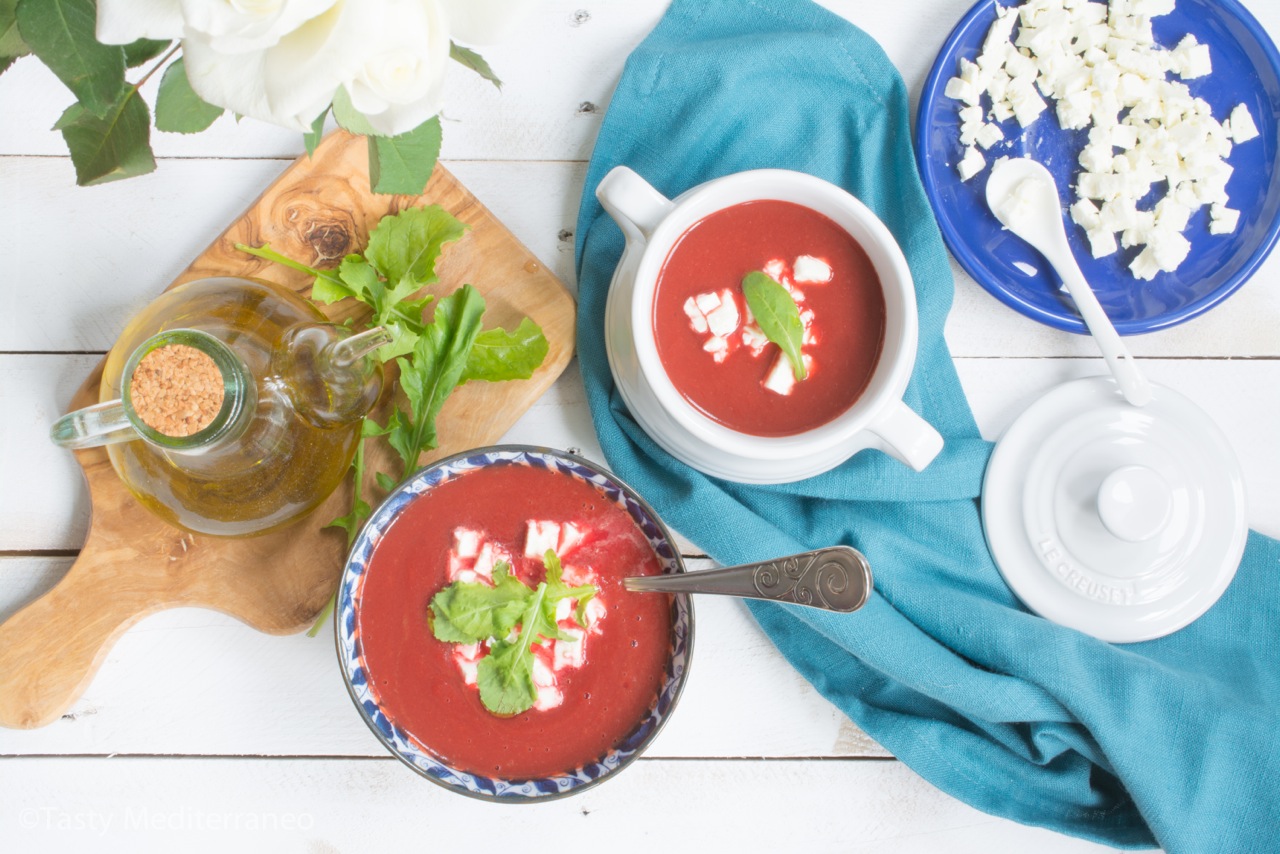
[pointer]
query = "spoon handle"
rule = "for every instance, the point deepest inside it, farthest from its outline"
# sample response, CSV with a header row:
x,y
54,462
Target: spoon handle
x,y
837,578
1132,383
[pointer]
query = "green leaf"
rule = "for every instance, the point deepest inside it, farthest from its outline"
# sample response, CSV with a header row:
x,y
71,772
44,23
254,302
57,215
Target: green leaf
x,y
402,165
178,108
438,360
505,679
384,480
312,137
469,612
61,34
348,117
143,50
407,245
474,61
557,590
777,315
12,44
401,439
499,355
109,147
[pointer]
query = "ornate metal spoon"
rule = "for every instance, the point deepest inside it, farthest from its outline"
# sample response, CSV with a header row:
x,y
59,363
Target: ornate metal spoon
x,y
837,578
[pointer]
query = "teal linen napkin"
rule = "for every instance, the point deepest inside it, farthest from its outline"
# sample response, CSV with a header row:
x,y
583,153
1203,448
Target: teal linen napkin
x,y
1172,741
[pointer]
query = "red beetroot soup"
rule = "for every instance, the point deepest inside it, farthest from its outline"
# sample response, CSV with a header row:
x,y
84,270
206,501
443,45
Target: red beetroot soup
x,y
417,678
741,379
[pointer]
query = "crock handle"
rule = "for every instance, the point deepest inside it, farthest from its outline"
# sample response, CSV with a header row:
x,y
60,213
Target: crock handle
x,y
907,437
633,203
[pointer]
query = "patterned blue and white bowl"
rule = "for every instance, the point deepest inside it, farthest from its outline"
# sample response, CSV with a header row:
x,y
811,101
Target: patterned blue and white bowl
x,y
409,750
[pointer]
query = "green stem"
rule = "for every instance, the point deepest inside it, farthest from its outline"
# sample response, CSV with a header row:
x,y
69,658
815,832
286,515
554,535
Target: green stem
x,y
357,466
159,64
265,251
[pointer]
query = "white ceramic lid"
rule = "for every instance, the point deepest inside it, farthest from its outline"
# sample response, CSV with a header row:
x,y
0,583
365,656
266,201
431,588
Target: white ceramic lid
x,y
1123,522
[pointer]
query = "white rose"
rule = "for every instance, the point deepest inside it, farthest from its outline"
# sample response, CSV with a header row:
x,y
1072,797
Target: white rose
x,y
240,26
392,55
282,61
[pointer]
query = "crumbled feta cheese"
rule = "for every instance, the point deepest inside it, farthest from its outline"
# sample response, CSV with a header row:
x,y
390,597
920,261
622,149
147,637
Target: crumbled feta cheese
x,y
723,319
1222,219
781,378
988,135
809,270
754,339
571,651
775,269
697,320
1100,64
707,302
539,536
1101,242
972,164
571,536
1241,123
489,557
466,542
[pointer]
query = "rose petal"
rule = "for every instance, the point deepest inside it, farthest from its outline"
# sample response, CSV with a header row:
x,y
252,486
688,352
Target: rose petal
x,y
302,72
235,83
125,21
245,27
394,53
484,22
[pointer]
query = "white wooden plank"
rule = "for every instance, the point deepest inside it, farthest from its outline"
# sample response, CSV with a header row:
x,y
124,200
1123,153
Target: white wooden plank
x,y
132,238
1243,396
195,682
142,804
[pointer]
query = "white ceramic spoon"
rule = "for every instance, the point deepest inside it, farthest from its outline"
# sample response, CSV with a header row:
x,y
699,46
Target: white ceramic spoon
x,y
1023,196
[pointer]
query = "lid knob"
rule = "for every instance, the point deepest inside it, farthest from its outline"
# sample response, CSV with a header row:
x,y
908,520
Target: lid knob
x,y
1134,503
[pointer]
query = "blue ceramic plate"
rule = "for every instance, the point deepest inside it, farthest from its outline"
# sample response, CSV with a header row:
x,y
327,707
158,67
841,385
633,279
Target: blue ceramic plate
x,y
409,749
1246,69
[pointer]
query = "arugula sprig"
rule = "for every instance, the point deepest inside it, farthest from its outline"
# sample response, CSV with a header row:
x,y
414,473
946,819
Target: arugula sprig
x,y
469,612
434,357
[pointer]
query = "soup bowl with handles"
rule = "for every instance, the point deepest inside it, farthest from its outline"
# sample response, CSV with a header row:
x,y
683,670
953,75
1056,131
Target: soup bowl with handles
x,y
876,419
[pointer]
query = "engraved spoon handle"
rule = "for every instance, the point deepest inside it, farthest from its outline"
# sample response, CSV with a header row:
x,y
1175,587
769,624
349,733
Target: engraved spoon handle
x,y
837,578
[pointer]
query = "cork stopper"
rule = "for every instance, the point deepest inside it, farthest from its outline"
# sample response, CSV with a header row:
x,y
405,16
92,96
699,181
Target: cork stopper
x,y
177,390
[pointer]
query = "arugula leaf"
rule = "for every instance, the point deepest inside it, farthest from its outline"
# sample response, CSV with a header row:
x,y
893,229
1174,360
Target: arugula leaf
x,y
474,61
469,612
402,165
112,146
777,315
557,589
178,108
62,34
499,355
439,358
408,244
505,677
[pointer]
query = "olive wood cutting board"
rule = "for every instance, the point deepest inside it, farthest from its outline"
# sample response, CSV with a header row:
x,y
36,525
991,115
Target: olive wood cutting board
x,y
133,564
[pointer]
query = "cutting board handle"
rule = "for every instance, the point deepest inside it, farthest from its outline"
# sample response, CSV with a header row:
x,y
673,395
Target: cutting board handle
x,y
51,648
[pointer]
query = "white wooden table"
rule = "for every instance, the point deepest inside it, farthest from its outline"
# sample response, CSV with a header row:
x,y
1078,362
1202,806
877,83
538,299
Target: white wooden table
x,y
201,731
